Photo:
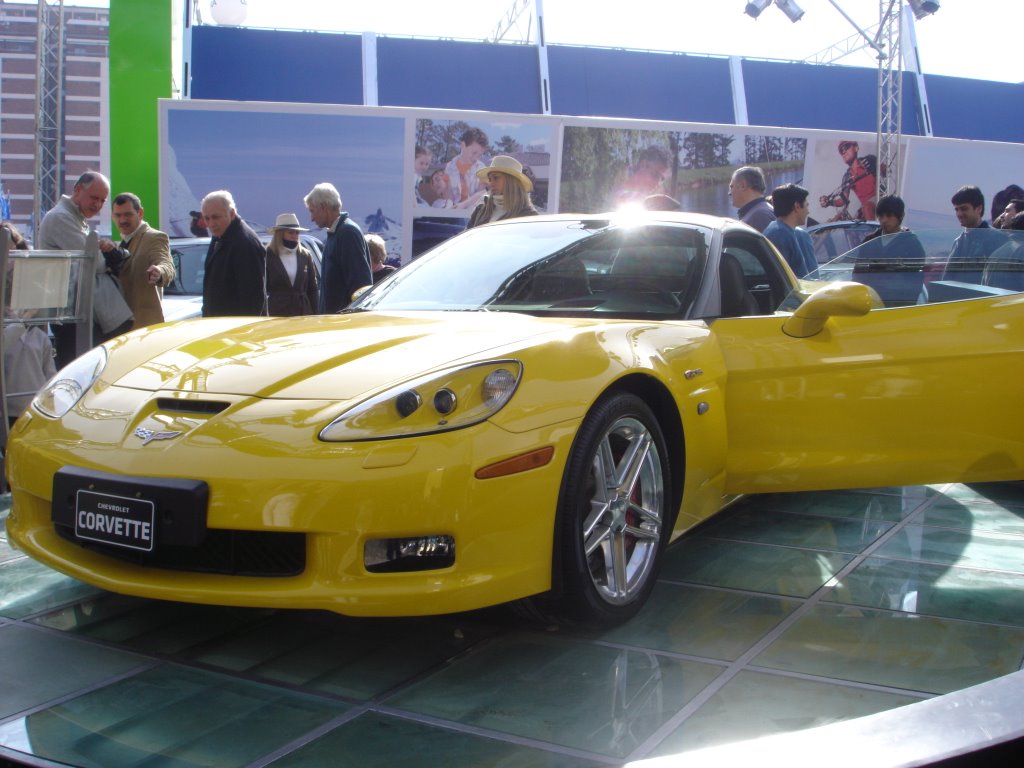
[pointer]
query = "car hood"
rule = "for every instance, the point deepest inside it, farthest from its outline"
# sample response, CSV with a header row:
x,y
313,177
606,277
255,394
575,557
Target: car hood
x,y
320,358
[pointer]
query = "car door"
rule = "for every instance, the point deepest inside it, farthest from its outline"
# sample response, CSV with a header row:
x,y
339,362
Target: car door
x,y
899,396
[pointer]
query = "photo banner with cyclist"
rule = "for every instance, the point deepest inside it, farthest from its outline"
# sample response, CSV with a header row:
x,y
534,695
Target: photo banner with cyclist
x,y
392,164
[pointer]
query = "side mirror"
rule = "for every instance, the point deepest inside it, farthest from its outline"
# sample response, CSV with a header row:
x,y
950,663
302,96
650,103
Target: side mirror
x,y
840,299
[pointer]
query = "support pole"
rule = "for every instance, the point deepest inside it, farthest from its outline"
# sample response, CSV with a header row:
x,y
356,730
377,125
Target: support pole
x,y
542,59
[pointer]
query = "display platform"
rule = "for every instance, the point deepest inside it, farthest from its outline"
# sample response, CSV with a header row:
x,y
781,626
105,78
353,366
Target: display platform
x,y
783,613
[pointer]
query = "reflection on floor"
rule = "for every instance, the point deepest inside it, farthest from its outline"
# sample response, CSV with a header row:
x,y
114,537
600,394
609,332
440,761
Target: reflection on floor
x,y
783,613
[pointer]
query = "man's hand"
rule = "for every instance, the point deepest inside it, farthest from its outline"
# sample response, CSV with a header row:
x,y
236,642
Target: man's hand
x,y
113,254
153,274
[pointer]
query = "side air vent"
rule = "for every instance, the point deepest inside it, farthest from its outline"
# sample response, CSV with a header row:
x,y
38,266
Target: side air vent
x,y
174,405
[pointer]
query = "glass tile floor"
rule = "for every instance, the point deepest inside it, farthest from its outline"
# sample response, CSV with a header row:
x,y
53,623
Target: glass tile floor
x,y
782,613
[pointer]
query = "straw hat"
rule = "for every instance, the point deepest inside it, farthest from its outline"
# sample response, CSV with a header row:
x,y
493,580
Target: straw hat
x,y
510,167
287,221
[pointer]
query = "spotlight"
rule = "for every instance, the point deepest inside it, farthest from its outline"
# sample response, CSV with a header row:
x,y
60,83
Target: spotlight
x,y
791,9
924,8
754,7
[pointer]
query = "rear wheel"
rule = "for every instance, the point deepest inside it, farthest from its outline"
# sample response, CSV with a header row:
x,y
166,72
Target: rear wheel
x,y
613,511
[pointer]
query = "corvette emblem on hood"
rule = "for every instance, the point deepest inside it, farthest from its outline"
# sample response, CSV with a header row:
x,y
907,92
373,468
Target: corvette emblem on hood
x,y
148,435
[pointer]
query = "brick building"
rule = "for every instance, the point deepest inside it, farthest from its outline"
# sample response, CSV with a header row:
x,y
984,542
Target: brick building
x,y
84,96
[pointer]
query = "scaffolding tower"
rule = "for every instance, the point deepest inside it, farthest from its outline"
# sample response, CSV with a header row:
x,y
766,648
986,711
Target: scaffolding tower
x,y
49,153
890,97
894,42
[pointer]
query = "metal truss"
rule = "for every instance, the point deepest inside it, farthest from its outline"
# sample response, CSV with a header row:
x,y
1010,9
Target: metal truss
x,y
886,39
513,22
49,154
890,97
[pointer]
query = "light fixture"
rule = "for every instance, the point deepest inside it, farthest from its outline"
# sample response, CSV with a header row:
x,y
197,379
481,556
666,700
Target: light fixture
x,y
924,8
754,7
791,9
788,7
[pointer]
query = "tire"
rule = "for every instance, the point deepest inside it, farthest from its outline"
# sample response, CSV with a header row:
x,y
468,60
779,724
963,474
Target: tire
x,y
613,512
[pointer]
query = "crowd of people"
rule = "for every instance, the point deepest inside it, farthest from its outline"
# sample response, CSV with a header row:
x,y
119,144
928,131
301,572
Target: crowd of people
x,y
242,277
783,215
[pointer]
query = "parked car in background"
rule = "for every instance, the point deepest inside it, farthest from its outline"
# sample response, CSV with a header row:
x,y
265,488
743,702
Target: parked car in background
x,y
835,238
183,299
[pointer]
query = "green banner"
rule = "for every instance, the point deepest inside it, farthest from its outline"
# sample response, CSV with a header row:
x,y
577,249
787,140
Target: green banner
x,y
140,74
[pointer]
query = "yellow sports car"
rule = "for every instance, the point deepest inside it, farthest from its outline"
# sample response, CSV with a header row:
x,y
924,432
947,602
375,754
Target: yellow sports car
x,y
529,412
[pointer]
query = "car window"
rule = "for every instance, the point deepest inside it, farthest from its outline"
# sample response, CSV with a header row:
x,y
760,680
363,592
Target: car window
x,y
763,278
563,266
931,266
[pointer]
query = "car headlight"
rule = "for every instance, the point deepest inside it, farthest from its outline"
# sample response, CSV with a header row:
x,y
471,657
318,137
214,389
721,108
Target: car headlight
x,y
60,393
439,402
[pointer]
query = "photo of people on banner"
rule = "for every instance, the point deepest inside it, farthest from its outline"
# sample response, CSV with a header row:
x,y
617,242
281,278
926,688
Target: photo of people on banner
x,y
857,193
605,169
449,154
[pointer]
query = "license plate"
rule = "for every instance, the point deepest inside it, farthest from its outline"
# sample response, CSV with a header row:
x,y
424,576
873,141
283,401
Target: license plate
x,y
120,521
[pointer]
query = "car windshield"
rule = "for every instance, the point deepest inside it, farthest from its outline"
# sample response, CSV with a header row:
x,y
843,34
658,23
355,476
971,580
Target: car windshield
x,y
836,238
562,266
931,265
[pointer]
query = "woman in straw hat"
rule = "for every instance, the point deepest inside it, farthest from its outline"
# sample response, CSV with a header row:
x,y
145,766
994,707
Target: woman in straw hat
x,y
292,284
509,196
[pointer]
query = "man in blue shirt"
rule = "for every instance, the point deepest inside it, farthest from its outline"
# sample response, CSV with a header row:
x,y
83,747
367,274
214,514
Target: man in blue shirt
x,y
971,250
345,264
791,210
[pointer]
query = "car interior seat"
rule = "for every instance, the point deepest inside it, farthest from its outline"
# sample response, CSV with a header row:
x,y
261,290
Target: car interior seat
x,y
560,281
661,268
737,300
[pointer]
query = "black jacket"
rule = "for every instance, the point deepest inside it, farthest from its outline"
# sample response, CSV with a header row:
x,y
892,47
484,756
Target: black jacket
x,y
345,266
234,282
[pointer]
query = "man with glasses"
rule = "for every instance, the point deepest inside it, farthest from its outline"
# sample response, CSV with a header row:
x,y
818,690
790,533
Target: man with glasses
x,y
860,179
746,190
65,227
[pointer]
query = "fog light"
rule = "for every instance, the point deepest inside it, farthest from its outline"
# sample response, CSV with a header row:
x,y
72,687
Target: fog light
x,y
417,553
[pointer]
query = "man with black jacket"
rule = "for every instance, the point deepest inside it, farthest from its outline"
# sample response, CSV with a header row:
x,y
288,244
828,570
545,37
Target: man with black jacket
x,y
235,279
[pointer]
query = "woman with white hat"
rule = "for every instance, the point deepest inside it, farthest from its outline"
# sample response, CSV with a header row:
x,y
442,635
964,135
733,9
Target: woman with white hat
x,y
509,196
292,284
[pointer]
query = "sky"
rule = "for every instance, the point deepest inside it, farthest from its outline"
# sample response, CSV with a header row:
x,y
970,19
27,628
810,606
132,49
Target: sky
x,y
966,38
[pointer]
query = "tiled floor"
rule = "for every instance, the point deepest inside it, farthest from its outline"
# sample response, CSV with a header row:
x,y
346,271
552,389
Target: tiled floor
x,y
783,613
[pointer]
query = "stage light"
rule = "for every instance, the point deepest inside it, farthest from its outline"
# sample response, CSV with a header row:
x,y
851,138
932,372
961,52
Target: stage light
x,y
791,9
754,7
924,8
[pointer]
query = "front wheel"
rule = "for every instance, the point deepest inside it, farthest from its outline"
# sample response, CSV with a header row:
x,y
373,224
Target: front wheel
x,y
613,511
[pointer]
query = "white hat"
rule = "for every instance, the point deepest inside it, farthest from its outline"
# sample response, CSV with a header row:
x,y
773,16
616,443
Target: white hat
x,y
287,221
510,167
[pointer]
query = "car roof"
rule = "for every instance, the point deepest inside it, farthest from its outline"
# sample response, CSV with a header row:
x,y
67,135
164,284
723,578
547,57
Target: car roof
x,y
635,216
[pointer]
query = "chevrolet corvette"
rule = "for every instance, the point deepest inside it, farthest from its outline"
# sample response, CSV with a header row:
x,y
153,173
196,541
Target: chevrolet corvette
x,y
528,413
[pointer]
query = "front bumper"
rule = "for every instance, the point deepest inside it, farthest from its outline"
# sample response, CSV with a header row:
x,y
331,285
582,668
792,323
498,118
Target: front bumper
x,y
336,495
